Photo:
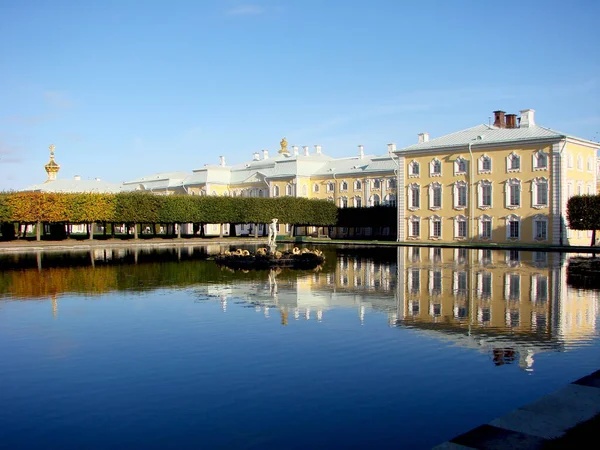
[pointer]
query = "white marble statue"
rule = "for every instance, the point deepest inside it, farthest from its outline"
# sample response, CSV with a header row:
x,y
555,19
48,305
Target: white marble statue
x,y
272,232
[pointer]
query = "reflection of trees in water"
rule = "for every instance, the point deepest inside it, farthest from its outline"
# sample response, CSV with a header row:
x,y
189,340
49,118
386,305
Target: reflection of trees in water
x,y
584,273
74,273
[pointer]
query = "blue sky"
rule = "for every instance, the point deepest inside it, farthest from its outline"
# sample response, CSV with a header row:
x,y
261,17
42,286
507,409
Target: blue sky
x,y
129,88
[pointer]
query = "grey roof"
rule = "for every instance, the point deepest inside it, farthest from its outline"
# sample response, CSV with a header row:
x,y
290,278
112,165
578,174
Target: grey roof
x,y
163,180
486,134
356,165
73,186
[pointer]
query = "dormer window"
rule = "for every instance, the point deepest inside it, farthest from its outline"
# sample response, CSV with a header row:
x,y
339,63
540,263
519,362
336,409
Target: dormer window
x,y
413,169
460,166
513,163
435,168
485,164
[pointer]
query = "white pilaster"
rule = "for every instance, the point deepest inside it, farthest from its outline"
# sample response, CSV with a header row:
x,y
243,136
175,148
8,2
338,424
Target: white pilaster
x,y
559,197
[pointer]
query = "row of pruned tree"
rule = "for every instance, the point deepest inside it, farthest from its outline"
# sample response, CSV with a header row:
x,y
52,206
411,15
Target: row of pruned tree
x,y
583,213
135,208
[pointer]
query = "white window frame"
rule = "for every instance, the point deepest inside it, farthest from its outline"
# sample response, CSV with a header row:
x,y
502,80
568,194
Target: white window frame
x,y
535,185
432,172
534,288
461,219
455,285
376,183
480,162
569,160
485,219
357,201
289,190
510,159
486,256
414,169
540,154
412,220
390,200
590,164
330,187
457,166
275,191
315,187
456,186
411,196
412,275
432,187
480,185
343,186
539,218
480,293
512,182
579,162
304,191
391,183
432,275
343,202
330,198
375,200
507,286
513,218
357,185
432,220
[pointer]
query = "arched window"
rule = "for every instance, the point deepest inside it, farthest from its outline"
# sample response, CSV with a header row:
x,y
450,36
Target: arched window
x,y
460,227
343,186
414,196
460,166
357,185
540,227
569,160
540,160
289,190
435,227
485,164
435,168
261,193
375,200
377,184
315,187
485,227
226,194
343,202
330,186
390,200
513,193
460,195
539,192
513,163
484,194
414,227
357,202
513,227
435,196
413,169
579,162
391,184
276,191
590,164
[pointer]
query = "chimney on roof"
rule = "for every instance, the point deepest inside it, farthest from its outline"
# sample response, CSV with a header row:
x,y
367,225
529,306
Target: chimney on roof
x,y
265,154
423,137
361,151
499,119
527,118
77,178
295,150
306,152
318,149
511,121
391,148
256,156
221,160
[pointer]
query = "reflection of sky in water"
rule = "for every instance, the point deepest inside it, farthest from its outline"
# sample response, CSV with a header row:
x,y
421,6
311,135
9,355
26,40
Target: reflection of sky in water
x,y
349,356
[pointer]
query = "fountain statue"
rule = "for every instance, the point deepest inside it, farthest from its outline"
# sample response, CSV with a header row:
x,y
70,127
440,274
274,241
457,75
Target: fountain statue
x,y
272,237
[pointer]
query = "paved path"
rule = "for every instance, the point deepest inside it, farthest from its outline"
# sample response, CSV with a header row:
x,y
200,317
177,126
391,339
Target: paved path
x,y
541,424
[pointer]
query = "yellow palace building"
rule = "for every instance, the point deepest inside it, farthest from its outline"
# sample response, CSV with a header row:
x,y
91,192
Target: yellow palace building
x,y
506,182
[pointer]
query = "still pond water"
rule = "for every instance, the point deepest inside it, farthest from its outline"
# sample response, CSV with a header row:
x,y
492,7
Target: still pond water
x,y
378,348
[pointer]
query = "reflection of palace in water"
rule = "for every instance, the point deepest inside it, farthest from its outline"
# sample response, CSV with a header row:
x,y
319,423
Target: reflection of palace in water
x,y
510,304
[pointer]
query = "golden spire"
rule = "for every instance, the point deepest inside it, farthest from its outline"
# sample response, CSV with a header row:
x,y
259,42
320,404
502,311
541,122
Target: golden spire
x,y
52,167
283,145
